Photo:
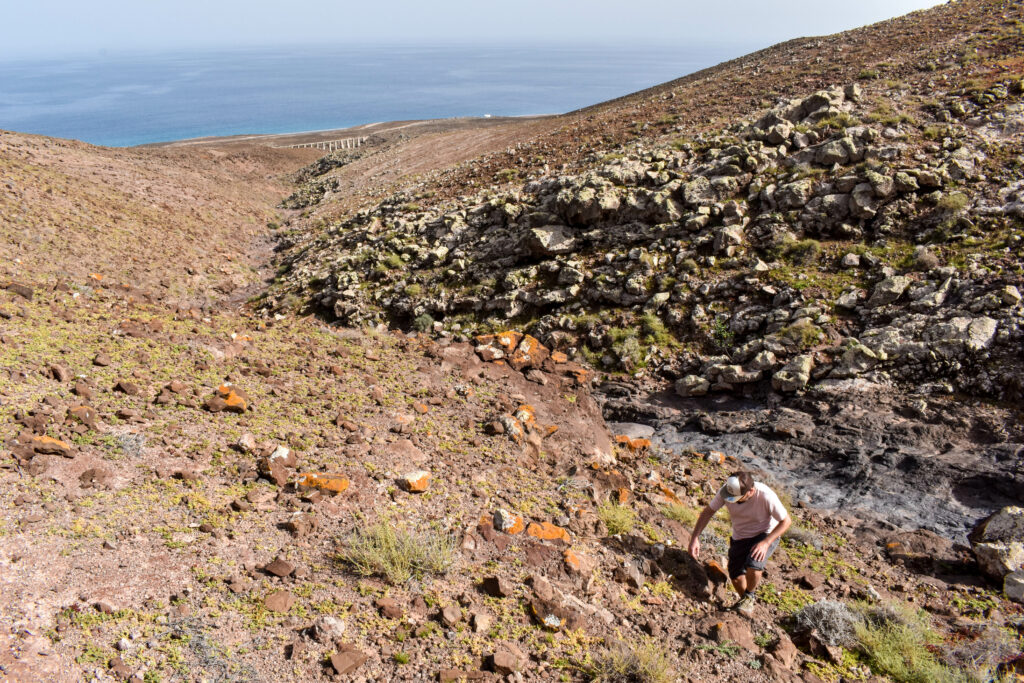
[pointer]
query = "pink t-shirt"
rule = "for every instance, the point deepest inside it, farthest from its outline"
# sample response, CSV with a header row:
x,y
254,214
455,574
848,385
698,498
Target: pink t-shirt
x,y
759,515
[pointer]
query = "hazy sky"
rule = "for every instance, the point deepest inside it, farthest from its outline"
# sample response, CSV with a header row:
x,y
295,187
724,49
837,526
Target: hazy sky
x,y
39,28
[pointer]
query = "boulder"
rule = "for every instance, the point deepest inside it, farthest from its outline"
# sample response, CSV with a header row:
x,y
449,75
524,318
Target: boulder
x,y
692,385
857,359
550,240
779,133
698,192
1010,295
975,334
888,290
834,152
735,374
998,542
794,375
1013,586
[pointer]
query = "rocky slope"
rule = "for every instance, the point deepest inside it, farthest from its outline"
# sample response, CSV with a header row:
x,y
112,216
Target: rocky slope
x,y
805,261
865,237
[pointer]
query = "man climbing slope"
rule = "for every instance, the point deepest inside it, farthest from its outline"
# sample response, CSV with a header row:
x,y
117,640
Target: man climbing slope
x,y
758,521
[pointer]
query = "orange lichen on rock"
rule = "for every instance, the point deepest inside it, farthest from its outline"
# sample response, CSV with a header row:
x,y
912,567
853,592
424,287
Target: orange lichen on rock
x,y
334,483
572,560
234,398
415,482
623,495
546,531
716,572
635,446
529,354
527,416
508,340
670,494
580,375
640,445
51,446
559,357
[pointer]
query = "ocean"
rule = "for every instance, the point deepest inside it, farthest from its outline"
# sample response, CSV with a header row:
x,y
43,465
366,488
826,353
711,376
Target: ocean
x,y
132,99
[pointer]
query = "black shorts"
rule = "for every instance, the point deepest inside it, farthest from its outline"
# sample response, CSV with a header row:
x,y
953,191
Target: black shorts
x,y
739,554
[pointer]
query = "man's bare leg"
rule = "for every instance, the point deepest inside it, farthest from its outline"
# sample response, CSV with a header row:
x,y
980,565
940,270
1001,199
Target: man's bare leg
x,y
740,583
751,580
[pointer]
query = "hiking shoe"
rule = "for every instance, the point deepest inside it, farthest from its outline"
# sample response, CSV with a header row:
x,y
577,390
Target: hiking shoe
x,y
746,605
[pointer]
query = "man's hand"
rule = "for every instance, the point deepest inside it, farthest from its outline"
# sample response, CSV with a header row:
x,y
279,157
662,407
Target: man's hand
x,y
695,547
760,551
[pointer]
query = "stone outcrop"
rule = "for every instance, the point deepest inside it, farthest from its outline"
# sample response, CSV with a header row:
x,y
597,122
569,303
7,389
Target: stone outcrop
x,y
716,243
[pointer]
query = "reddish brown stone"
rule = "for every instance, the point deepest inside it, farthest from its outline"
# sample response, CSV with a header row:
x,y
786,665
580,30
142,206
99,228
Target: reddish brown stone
x,y
388,608
83,414
126,387
51,446
497,587
59,373
348,659
279,567
279,601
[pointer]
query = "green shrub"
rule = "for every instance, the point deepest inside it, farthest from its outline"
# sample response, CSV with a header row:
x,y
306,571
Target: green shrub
x,y
619,519
952,202
680,513
885,115
654,330
867,75
838,121
645,660
721,336
393,261
413,290
801,251
423,323
901,649
506,175
802,335
388,550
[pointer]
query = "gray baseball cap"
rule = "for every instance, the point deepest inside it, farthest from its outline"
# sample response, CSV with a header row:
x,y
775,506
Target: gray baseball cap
x,y
732,490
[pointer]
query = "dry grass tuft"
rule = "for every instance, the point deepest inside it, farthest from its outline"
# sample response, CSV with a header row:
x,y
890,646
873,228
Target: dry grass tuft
x,y
640,661
398,554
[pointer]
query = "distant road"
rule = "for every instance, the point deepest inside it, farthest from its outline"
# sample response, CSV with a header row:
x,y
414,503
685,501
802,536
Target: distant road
x,y
383,129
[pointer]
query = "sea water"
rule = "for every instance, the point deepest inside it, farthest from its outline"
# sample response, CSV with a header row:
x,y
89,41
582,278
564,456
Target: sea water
x,y
131,99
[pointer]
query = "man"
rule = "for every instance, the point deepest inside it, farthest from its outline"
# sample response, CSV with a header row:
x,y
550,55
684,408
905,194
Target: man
x,y
758,521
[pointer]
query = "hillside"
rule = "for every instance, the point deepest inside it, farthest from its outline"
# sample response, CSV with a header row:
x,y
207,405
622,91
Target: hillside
x,y
446,406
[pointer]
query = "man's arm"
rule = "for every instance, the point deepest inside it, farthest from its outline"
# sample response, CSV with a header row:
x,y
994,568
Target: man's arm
x,y
702,521
761,549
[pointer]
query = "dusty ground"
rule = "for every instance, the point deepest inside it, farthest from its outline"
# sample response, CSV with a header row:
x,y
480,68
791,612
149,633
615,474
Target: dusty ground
x,y
139,548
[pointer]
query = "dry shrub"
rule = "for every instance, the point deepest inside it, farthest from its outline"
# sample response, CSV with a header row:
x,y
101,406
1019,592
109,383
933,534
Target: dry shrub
x,y
618,518
388,550
644,660
834,622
